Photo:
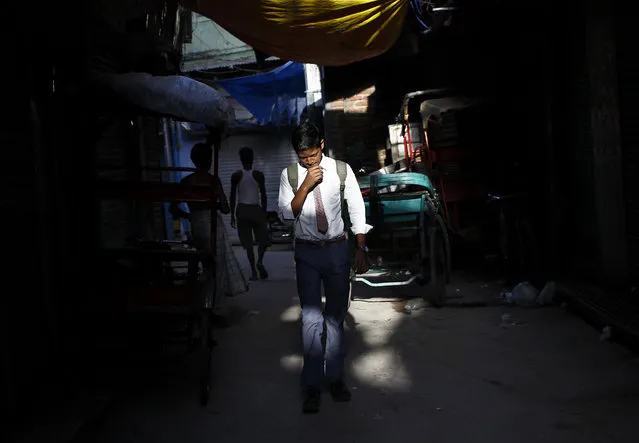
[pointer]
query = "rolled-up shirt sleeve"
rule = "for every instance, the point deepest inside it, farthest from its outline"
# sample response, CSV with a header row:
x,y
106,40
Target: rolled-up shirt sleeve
x,y
355,202
285,198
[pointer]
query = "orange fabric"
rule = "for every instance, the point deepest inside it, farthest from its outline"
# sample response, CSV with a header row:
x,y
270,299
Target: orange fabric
x,y
323,32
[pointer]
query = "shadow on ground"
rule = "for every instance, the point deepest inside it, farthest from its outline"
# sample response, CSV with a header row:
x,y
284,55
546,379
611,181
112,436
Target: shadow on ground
x,y
446,375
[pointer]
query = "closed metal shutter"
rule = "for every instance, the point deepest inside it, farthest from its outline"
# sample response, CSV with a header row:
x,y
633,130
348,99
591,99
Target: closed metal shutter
x,y
273,152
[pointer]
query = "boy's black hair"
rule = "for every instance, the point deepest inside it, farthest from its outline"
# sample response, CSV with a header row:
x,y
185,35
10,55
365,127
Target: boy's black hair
x,y
306,136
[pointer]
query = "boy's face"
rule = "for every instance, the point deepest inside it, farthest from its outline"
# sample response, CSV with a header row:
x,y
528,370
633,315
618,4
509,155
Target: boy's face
x,y
311,157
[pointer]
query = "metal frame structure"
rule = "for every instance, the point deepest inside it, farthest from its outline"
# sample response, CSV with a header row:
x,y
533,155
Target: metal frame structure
x,y
404,207
173,192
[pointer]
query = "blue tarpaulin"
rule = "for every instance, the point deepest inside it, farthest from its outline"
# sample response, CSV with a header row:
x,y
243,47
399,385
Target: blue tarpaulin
x,y
275,97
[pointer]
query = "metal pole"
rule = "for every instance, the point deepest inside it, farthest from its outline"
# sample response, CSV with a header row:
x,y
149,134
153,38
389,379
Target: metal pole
x,y
216,166
168,158
168,162
314,95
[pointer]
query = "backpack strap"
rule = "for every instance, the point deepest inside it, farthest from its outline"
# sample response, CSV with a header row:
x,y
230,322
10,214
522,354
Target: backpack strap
x,y
291,172
341,173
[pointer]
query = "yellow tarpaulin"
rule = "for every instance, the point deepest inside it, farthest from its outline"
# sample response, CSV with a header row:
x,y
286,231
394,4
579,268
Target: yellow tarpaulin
x,y
324,32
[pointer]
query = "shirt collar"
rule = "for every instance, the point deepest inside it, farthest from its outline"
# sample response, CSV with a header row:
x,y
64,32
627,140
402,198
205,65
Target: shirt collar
x,y
324,162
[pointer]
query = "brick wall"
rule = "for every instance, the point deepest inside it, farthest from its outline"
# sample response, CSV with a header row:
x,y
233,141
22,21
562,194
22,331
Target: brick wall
x,y
352,130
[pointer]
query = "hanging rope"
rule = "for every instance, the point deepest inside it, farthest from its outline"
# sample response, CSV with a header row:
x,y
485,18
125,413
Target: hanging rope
x,y
430,7
418,8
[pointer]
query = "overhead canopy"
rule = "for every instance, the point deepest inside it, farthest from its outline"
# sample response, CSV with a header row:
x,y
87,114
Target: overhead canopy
x,y
174,95
273,97
323,32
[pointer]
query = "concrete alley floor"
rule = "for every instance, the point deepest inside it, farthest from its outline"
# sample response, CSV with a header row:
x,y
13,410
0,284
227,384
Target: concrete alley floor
x,y
447,375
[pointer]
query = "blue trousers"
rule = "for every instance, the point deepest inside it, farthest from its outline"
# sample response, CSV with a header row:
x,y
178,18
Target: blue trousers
x,y
329,264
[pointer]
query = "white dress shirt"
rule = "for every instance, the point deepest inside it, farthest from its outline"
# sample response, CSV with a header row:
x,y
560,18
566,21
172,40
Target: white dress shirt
x,y
306,223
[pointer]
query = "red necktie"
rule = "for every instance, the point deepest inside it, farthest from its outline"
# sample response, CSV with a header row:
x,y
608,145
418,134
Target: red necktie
x,y
320,214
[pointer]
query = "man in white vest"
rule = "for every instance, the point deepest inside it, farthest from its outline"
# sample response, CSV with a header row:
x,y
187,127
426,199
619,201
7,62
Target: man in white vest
x,y
248,190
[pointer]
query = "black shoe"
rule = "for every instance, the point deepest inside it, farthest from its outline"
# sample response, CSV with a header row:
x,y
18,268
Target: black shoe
x,y
312,401
262,271
339,391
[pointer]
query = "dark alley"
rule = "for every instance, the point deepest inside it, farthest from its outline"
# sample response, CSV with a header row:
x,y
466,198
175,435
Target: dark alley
x,y
188,175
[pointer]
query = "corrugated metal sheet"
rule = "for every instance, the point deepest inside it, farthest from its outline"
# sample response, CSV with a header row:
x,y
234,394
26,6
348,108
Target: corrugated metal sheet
x,y
273,153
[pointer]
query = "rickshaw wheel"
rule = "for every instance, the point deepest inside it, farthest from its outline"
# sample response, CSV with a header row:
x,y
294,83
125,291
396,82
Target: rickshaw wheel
x,y
435,293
